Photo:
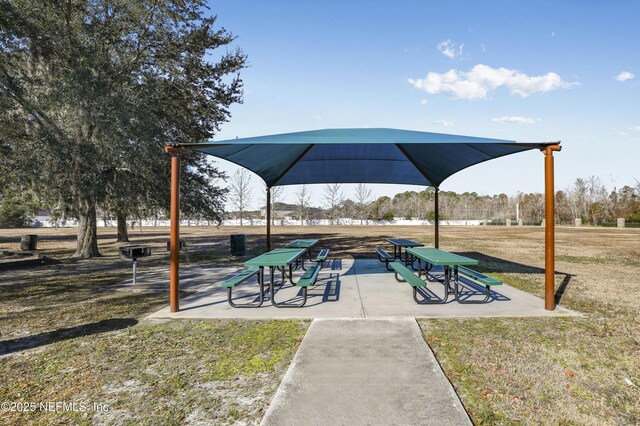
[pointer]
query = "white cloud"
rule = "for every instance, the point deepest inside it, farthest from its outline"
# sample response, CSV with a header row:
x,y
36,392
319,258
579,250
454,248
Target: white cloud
x,y
620,133
445,123
553,33
482,79
624,76
636,128
424,102
449,49
515,120
317,117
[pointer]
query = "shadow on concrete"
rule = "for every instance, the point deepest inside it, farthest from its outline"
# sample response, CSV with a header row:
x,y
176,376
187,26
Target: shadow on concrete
x,y
332,289
467,289
36,340
326,290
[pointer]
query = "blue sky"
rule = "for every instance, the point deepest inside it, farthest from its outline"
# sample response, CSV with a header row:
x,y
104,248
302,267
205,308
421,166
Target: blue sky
x,y
529,71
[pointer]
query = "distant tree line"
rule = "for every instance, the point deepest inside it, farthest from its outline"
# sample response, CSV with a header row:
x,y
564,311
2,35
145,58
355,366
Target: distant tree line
x,y
587,199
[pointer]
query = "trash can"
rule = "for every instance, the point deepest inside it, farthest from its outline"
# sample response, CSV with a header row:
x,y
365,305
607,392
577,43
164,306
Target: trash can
x,y
181,245
238,245
28,242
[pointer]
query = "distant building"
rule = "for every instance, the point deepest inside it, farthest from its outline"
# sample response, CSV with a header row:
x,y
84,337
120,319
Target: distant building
x,y
279,211
43,219
290,212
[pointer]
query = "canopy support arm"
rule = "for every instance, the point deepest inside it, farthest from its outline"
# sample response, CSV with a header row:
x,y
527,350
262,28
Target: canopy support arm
x,y
174,245
549,228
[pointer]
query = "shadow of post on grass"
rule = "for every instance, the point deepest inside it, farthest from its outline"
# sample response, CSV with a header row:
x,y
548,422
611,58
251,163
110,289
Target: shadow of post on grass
x,y
41,339
490,264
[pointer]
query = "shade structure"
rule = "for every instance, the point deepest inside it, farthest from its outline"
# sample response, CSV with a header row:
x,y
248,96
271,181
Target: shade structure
x,y
372,155
361,156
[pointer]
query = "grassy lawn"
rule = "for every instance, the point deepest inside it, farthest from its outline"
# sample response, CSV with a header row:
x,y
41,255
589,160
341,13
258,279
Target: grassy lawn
x,y
571,371
156,373
66,335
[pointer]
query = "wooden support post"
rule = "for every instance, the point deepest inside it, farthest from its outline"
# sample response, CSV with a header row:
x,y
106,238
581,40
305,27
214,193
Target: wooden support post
x,y
174,265
268,218
549,229
437,220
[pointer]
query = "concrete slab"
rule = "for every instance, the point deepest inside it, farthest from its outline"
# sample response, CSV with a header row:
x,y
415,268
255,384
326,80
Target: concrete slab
x,y
345,289
365,372
335,295
192,278
392,298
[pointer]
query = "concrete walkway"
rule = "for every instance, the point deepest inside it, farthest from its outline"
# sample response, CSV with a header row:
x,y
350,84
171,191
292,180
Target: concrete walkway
x,y
365,372
364,360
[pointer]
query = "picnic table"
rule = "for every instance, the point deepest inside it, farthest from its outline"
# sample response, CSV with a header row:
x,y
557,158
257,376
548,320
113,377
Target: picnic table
x,y
437,257
399,244
433,256
307,245
280,259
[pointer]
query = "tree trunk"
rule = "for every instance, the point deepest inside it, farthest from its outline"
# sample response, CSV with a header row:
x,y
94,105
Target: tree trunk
x,y
87,230
240,217
123,233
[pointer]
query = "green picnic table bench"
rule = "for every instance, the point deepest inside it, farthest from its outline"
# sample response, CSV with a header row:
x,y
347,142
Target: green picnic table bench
x,y
238,279
307,245
449,261
476,276
278,259
322,256
415,281
307,279
384,256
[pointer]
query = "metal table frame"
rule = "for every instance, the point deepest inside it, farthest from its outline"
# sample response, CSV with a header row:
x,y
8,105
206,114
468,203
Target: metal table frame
x,y
279,259
302,244
398,244
431,257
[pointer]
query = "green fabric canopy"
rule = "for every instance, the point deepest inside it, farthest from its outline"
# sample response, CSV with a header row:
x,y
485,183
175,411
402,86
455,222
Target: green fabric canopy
x,y
360,155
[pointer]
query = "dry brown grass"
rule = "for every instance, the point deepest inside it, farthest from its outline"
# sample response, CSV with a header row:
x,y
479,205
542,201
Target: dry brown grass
x,y
552,371
507,371
67,336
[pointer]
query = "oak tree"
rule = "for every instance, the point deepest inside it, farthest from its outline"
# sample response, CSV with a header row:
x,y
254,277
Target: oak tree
x,y
93,89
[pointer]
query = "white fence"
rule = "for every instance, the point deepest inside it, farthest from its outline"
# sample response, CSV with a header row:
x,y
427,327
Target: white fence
x,y
347,222
42,222
46,222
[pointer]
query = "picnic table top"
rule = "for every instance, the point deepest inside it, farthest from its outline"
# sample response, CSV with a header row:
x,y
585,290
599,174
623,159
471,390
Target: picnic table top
x,y
440,257
403,242
301,244
277,257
